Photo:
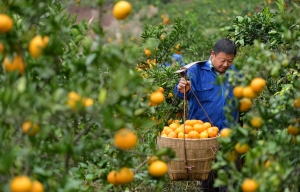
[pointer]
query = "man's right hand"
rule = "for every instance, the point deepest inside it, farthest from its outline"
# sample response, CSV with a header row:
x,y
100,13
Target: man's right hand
x,y
184,83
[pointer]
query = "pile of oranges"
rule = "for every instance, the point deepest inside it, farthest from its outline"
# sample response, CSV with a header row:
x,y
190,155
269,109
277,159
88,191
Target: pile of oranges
x,y
190,129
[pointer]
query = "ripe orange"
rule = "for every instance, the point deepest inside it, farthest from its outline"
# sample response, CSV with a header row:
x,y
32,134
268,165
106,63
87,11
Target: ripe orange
x,y
179,130
168,130
87,102
297,103
199,127
188,129
160,89
37,186
158,168
216,129
225,132
73,99
20,183
192,122
16,64
164,135
258,84
249,93
256,122
199,122
30,128
125,139
194,135
1,48
238,91
111,177
37,44
157,97
249,185
6,23
267,164
245,104
211,132
121,10
203,135
124,176
147,52
241,149
180,135
152,159
170,95
293,130
174,126
172,134
207,125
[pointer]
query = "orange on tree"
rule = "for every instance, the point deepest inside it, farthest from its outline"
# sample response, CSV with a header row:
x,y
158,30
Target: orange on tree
x,y
157,97
238,91
257,84
152,159
256,122
158,168
293,130
111,177
6,23
249,185
249,93
245,104
225,132
87,102
73,99
147,52
297,103
16,64
267,164
1,48
124,176
125,139
241,149
121,10
37,186
37,44
194,135
30,128
161,89
20,184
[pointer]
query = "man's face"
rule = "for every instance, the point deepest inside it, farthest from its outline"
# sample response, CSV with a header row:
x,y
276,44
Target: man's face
x,y
221,61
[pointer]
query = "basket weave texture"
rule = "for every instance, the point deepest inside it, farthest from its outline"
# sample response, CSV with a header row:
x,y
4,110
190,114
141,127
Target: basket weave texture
x,y
200,153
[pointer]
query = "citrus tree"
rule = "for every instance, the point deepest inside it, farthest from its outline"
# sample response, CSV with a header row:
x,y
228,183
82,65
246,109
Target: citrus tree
x,y
266,145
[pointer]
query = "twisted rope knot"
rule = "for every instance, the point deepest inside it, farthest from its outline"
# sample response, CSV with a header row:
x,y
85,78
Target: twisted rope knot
x,y
189,167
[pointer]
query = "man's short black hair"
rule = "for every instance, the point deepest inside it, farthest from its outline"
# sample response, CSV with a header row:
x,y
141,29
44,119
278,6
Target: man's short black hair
x,y
225,45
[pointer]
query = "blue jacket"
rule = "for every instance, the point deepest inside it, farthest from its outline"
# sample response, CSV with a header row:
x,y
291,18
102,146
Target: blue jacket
x,y
211,96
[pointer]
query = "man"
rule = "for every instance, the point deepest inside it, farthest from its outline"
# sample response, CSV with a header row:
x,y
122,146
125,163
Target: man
x,y
206,98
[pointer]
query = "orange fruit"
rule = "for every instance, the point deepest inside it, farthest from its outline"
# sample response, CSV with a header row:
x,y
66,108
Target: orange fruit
x,y
124,176
6,23
245,104
157,97
164,135
192,122
174,126
241,149
180,135
30,128
16,64
225,132
170,95
258,84
125,139
158,168
37,44
179,130
152,159
203,134
111,177
293,130
249,185
187,122
256,122
199,122
20,184
199,127
267,164
160,89
1,48
194,135
297,103
249,93
73,99
87,102
188,129
37,186
216,129
168,130
121,10
238,91
147,52
207,125
211,132
172,134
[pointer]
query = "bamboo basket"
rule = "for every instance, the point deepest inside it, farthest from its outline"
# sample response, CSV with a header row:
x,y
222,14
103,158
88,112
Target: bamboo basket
x,y
200,153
